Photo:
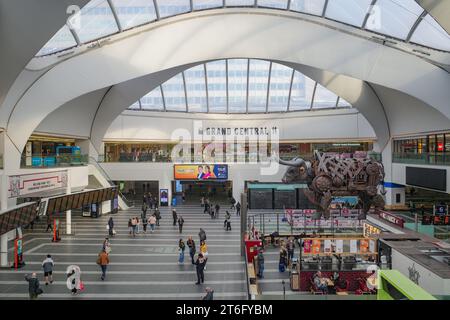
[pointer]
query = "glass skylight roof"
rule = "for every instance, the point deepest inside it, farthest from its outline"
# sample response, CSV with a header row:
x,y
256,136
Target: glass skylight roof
x,y
239,86
401,19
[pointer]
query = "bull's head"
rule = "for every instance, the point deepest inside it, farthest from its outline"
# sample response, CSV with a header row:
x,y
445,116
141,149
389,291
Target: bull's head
x,y
298,170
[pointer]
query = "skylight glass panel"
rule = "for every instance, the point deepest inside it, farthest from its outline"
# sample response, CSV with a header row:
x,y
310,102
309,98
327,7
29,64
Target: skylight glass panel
x,y
280,82
308,6
237,3
348,11
133,13
324,98
174,96
217,88
429,33
343,103
153,100
207,4
279,4
302,92
62,40
394,17
196,89
237,85
135,106
95,20
258,85
169,8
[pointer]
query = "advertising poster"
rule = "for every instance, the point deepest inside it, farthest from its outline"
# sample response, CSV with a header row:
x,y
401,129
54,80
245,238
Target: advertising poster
x,y
327,246
164,197
339,246
307,244
200,171
316,246
364,246
371,245
353,246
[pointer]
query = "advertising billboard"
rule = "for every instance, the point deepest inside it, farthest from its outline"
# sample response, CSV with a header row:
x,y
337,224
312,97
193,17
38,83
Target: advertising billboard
x,y
200,172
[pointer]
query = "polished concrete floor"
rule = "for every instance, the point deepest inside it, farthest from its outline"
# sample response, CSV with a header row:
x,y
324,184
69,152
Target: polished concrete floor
x,y
145,267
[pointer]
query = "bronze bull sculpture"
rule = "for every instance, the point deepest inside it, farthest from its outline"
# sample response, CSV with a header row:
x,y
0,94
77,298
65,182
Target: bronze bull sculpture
x,y
328,177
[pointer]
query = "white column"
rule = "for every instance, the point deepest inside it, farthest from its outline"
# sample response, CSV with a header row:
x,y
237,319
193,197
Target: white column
x,y
68,212
4,250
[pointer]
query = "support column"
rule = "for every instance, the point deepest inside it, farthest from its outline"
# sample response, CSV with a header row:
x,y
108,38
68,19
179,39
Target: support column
x,y
68,212
4,250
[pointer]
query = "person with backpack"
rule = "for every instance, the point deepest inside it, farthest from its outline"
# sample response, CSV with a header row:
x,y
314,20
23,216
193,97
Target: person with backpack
x,y
180,223
103,261
200,264
47,265
202,235
157,214
174,216
152,221
181,248
192,249
34,289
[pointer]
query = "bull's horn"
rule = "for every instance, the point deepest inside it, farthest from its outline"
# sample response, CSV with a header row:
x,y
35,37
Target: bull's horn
x,y
296,162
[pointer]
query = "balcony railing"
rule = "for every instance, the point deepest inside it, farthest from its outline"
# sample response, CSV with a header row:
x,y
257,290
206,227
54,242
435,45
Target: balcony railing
x,y
442,158
66,160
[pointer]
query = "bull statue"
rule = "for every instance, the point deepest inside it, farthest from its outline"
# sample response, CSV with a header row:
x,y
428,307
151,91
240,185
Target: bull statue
x,y
328,176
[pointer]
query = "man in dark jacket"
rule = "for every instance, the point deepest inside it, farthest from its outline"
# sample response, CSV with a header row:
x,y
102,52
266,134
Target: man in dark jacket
x,y
200,266
202,235
174,215
33,286
260,264
192,249
157,215
217,210
238,209
180,223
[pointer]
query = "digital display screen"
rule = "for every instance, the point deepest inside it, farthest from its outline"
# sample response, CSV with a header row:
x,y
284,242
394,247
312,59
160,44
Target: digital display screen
x,y
427,178
200,172
164,197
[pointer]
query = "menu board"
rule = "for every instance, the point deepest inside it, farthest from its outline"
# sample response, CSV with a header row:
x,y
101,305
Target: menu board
x,y
339,246
307,246
316,246
353,246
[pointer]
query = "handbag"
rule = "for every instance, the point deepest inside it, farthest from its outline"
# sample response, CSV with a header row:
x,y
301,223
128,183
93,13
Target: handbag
x,y
107,227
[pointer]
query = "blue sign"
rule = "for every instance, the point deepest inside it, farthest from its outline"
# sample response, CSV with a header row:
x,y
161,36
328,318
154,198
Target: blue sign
x,y
221,171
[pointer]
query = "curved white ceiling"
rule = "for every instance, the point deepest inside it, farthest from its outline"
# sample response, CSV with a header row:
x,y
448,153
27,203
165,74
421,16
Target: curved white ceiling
x,y
405,20
187,41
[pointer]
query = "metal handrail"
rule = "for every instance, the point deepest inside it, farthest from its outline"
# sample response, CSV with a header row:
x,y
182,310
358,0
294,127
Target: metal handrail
x,y
52,161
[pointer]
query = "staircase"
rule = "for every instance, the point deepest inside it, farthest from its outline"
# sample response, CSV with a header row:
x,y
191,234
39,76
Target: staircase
x,y
99,178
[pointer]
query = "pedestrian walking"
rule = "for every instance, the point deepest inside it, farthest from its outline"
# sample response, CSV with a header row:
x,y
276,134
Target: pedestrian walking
x,y
233,202
181,248
200,267
238,209
204,251
152,221
133,226
260,264
183,197
130,226
106,246
192,249
144,211
180,223
174,216
157,214
111,226
49,223
47,265
227,217
282,262
217,210
103,261
290,246
138,224
209,294
144,224
34,289
202,235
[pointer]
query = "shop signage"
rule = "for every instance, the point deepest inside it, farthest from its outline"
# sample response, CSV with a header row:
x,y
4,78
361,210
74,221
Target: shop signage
x,y
369,230
238,131
26,184
391,218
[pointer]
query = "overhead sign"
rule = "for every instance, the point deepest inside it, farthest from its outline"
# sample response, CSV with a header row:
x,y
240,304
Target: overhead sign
x,y
26,184
391,218
200,171
369,230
